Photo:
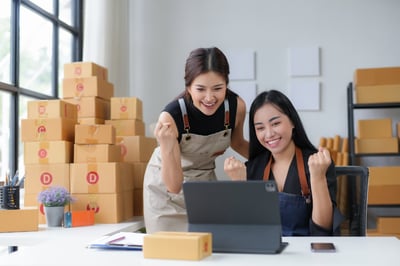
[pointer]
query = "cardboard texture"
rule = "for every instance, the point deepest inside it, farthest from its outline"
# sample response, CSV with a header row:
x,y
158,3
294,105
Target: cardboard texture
x,y
139,168
101,177
376,145
375,128
128,204
86,87
377,76
136,148
96,153
41,176
90,121
384,185
47,129
177,245
94,134
108,208
51,109
127,127
85,69
90,107
22,220
44,152
378,94
138,202
127,108
388,225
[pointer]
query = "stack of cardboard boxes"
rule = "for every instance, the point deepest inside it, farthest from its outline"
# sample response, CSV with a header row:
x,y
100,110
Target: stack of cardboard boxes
x,y
48,136
136,148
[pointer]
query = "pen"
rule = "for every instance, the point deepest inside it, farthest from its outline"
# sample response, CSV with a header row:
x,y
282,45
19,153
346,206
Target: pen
x,y
14,180
111,242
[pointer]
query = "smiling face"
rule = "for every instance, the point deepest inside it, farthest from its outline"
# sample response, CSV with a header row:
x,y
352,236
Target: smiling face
x,y
208,92
273,128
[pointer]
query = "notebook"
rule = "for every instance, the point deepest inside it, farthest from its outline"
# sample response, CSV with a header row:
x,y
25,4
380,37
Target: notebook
x,y
242,216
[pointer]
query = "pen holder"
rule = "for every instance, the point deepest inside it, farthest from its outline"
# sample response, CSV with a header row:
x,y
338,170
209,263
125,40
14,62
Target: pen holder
x,y
9,197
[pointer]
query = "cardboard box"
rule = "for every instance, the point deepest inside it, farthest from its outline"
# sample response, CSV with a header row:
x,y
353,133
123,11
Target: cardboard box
x,y
85,69
101,177
377,76
388,225
375,128
51,109
378,94
377,145
127,127
127,108
138,202
177,245
48,129
128,204
136,148
90,121
384,185
96,153
22,220
398,129
94,134
91,107
44,152
108,208
86,87
41,176
139,169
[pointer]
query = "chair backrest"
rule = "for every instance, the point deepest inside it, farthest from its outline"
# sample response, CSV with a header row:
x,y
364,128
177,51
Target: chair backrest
x,y
352,198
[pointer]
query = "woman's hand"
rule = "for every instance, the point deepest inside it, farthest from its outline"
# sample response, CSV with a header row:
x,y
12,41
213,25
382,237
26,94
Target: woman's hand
x,y
319,163
235,169
165,135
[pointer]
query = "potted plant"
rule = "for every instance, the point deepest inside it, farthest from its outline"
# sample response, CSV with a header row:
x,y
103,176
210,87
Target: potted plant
x,y
54,200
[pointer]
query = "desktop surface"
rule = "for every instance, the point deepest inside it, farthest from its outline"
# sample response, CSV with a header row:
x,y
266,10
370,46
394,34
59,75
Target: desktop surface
x,y
68,246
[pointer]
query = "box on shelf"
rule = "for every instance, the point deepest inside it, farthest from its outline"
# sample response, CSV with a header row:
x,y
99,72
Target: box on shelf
x,y
127,108
51,109
84,69
377,76
96,153
376,145
375,128
127,127
94,134
384,185
87,86
388,225
378,94
101,177
47,129
177,245
44,152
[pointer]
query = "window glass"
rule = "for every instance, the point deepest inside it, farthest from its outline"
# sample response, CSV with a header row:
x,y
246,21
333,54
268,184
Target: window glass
x,y
5,100
5,12
44,4
36,52
65,55
23,114
65,11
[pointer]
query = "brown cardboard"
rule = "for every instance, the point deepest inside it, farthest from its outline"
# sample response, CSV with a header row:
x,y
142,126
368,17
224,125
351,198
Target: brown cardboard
x,y
377,76
127,127
138,202
51,109
90,121
127,108
388,225
377,145
44,152
128,204
136,148
139,168
177,245
47,129
86,87
108,208
41,176
378,94
101,177
84,69
398,130
96,153
22,220
384,185
94,134
91,107
375,128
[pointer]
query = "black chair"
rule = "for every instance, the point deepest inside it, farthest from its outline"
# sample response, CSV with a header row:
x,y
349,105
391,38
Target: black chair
x,y
352,198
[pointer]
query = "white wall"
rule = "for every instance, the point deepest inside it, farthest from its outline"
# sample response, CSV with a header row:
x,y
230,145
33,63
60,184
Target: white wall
x,y
350,33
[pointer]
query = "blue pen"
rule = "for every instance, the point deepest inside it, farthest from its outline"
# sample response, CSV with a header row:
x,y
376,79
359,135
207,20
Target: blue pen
x,y
14,180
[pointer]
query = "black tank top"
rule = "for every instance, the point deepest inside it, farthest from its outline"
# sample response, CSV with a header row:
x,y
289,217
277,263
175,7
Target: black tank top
x,y
200,123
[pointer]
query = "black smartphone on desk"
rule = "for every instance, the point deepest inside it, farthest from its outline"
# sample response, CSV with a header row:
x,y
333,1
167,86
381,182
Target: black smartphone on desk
x,y
322,247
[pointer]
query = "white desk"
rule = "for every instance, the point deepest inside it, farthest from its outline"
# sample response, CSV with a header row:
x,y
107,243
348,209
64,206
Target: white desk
x,y
67,246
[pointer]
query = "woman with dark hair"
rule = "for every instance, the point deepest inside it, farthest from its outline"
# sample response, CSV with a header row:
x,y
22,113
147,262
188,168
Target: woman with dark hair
x,y
280,150
192,131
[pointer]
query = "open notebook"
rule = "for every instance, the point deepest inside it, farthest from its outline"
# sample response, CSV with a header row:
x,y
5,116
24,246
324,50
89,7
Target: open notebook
x,y
243,216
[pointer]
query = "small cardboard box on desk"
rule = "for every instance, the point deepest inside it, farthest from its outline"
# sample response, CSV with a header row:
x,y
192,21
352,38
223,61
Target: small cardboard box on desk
x,y
177,245
20,220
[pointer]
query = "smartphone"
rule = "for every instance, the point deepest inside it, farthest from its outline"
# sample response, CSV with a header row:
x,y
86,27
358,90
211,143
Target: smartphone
x,y
322,247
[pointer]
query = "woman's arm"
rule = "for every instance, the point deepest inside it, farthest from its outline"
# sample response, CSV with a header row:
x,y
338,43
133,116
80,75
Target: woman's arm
x,y
166,134
238,143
